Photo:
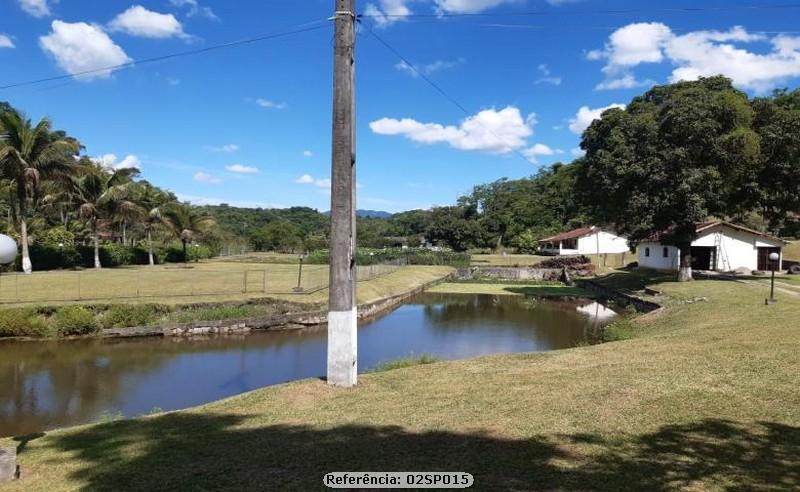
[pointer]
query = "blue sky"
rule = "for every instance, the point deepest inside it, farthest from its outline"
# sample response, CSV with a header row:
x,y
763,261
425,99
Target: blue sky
x,y
250,125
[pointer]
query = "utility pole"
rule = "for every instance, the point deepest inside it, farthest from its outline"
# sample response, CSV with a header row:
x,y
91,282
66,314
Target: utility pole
x,y
342,310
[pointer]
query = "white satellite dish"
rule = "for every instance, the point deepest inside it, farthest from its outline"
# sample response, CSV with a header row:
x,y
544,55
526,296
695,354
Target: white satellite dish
x,y
8,250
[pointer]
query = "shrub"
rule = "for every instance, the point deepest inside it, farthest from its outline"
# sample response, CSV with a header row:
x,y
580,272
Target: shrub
x,y
217,313
127,315
49,257
570,262
23,322
621,329
75,320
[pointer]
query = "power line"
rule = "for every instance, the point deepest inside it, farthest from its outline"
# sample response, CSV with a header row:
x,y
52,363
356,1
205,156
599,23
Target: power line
x,y
587,12
442,92
312,26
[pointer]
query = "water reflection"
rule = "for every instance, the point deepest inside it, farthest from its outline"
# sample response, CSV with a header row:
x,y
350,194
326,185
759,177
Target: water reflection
x,y
52,384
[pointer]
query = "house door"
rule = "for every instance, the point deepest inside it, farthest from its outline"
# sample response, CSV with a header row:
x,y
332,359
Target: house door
x,y
764,263
704,258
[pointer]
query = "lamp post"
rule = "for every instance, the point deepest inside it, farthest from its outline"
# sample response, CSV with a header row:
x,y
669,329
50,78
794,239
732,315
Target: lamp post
x,y
774,258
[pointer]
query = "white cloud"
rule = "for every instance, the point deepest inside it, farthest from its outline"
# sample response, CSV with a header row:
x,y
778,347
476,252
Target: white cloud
x,y
470,6
586,115
36,8
80,47
267,104
387,12
109,161
138,21
241,169
227,148
203,177
699,54
429,68
5,41
323,183
173,81
497,132
577,152
547,76
308,153
195,9
539,150
627,81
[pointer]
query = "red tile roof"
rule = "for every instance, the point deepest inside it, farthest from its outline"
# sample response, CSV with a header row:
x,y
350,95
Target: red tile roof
x,y
573,234
704,226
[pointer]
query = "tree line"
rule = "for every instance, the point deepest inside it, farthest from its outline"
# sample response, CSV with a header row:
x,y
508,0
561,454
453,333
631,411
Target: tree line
x,y
54,195
676,155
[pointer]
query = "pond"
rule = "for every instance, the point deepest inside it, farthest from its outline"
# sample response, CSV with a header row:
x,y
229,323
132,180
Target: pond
x,y
51,384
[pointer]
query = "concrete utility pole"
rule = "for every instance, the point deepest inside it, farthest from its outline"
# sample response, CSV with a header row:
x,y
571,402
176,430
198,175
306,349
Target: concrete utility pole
x,y
342,311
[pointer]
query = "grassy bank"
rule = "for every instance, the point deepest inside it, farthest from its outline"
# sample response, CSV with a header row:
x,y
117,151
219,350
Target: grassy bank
x,y
73,319
704,397
510,289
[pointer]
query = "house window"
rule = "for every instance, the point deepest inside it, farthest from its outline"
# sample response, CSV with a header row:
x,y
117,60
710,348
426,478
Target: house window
x,y
647,251
570,244
666,252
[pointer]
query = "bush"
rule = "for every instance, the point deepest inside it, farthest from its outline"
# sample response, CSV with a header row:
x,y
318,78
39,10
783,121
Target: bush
x,y
127,315
23,322
217,313
174,253
569,262
49,257
75,320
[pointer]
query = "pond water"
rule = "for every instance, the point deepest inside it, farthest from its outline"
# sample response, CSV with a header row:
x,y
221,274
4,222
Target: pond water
x,y
51,384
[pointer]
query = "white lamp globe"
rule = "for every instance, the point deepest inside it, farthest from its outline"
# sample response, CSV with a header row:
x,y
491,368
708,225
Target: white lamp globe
x,y
774,256
8,249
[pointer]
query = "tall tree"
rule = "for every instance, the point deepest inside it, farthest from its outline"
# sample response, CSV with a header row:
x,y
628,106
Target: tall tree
x,y
675,156
100,194
155,203
30,154
187,221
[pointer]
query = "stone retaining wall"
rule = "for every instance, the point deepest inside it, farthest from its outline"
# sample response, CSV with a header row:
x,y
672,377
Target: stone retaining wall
x,y
509,273
273,322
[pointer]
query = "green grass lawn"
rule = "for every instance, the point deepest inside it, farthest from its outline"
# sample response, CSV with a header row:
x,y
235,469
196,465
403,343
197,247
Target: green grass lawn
x,y
207,281
704,397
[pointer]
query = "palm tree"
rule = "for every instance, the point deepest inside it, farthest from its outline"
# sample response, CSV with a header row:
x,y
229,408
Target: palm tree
x,y
155,204
28,155
187,222
101,194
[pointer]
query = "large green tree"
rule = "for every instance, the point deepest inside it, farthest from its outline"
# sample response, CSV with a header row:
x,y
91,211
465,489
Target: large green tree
x,y
777,121
101,194
673,157
30,154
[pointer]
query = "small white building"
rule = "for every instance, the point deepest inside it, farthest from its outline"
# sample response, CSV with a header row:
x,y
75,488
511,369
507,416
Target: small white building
x,y
720,246
584,241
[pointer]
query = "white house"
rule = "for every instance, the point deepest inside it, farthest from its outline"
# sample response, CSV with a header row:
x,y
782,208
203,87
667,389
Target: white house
x,y
584,241
720,246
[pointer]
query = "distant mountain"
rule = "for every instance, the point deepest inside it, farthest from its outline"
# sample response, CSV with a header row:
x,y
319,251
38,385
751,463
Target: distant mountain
x,y
369,214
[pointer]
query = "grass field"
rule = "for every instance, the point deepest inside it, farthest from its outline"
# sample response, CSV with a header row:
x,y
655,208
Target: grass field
x,y
705,397
194,282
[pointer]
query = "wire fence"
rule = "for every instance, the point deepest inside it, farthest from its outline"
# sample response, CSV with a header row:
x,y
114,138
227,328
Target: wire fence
x,y
173,282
